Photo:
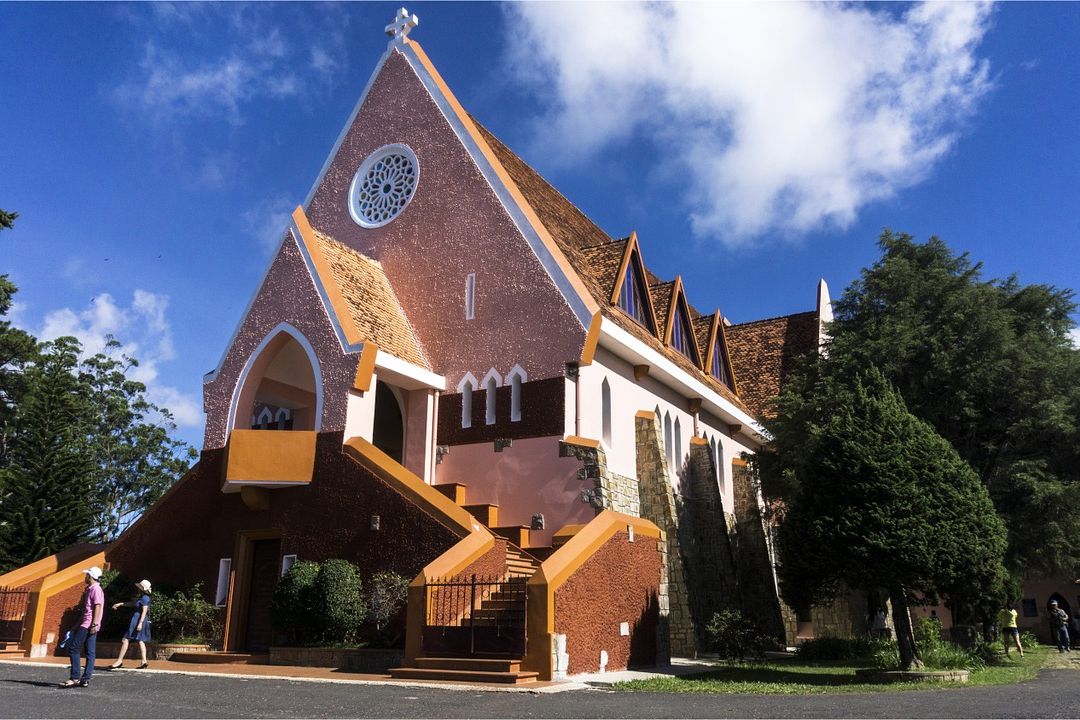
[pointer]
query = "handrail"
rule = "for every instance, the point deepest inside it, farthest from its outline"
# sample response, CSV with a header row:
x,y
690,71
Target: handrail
x,y
52,585
20,577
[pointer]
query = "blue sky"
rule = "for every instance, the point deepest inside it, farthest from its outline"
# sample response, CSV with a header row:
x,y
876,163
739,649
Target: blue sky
x,y
154,151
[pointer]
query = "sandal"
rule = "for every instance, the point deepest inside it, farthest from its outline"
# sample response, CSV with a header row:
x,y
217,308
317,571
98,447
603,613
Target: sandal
x,y
68,684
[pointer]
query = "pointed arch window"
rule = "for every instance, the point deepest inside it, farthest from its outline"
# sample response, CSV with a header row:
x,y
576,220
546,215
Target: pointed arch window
x,y
492,390
668,446
717,368
681,338
633,295
605,411
466,404
678,443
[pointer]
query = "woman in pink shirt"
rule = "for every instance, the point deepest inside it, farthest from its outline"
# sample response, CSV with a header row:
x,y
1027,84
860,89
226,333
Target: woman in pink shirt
x,y
93,602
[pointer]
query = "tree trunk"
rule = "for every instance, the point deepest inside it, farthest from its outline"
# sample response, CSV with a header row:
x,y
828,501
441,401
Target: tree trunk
x,y
905,637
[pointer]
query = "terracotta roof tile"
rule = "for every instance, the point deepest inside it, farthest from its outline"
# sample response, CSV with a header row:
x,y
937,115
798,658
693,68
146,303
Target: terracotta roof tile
x,y
661,299
702,326
589,250
371,301
764,352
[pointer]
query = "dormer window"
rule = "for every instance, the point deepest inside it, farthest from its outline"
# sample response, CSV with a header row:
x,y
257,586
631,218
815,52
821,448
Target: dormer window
x,y
632,296
717,369
680,334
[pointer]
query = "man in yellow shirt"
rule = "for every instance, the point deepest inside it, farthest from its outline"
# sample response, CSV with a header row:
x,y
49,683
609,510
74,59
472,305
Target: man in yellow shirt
x,y
1007,620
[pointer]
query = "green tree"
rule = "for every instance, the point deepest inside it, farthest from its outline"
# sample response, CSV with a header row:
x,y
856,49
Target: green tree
x,y
17,349
136,459
48,501
878,499
7,219
991,366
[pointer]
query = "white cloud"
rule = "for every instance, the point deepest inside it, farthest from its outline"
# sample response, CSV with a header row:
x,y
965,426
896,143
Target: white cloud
x,y
267,220
251,60
772,116
1075,335
143,330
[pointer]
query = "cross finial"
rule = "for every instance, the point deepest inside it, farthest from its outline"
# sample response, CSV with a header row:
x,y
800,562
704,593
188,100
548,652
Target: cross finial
x,y
400,27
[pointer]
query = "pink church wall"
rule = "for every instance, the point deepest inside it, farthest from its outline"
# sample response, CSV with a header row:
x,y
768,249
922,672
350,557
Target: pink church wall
x,y
288,295
527,478
454,225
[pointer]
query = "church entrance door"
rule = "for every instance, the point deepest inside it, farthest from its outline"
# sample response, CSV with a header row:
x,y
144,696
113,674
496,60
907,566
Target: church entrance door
x,y
265,556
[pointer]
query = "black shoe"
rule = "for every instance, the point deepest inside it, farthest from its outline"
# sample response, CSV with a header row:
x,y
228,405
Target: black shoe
x,y
84,683
69,684
142,667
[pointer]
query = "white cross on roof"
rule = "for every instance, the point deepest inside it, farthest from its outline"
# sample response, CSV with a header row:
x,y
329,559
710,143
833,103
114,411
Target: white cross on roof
x,y
400,27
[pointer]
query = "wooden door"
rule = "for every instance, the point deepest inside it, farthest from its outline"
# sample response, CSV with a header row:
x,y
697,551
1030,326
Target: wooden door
x,y
265,556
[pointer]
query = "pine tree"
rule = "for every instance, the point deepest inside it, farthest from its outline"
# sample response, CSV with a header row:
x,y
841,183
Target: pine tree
x,y
49,498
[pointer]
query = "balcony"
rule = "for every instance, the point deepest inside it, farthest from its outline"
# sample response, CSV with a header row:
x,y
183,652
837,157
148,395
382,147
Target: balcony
x,y
269,459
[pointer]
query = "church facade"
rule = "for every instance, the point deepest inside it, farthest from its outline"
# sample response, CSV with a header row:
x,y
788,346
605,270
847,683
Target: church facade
x,y
451,372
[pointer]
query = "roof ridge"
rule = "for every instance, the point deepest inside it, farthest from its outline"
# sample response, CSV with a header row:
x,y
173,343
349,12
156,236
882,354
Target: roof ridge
x,y
770,319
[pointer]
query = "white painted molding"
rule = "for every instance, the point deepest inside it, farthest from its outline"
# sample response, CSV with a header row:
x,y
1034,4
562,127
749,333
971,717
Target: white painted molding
x,y
516,370
492,373
467,378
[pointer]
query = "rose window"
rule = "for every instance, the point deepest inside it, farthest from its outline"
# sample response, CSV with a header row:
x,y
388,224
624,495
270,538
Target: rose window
x,y
383,186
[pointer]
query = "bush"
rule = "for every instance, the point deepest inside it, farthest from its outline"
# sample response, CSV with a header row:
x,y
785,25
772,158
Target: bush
x,y
1028,639
337,603
184,616
828,648
294,600
927,632
387,594
735,637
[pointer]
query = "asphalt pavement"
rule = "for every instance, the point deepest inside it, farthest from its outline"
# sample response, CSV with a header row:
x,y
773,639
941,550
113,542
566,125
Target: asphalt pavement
x,y
30,691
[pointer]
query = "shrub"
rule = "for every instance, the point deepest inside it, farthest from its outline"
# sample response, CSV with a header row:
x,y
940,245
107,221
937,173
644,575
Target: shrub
x,y
386,595
337,603
927,633
1029,640
184,616
947,656
886,657
837,648
735,637
292,607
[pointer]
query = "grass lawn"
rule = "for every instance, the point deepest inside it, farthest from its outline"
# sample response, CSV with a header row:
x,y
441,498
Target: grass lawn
x,y
792,677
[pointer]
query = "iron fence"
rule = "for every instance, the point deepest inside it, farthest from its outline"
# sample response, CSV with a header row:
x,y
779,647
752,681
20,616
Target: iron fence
x,y
13,602
476,615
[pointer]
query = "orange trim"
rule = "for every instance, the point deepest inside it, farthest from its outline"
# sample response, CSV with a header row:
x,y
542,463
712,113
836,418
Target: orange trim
x,y
717,334
526,208
739,462
582,442
240,585
326,277
678,296
50,586
588,351
698,441
270,456
48,565
566,532
557,569
645,414
633,251
365,368
727,358
424,496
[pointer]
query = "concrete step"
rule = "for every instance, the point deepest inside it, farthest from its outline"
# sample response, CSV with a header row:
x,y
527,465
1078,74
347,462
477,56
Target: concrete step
x,y
517,534
486,513
507,678
469,663
221,658
454,491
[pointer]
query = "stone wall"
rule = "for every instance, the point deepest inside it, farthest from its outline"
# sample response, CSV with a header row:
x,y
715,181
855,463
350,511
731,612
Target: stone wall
x,y
845,616
703,539
613,491
757,582
658,506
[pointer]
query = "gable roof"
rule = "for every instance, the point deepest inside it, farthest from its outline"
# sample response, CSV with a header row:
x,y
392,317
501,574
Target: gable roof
x,y
764,352
591,252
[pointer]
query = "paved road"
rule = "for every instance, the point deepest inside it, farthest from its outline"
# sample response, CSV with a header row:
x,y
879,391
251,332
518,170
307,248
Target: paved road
x,y
29,691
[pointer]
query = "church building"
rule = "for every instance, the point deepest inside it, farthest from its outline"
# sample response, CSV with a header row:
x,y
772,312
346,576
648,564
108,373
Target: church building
x,y
449,371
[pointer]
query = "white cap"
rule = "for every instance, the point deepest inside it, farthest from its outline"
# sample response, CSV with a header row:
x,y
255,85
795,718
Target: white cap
x,y
143,585
94,572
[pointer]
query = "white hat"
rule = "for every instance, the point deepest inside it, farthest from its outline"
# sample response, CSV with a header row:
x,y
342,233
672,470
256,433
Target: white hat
x,y
143,585
94,572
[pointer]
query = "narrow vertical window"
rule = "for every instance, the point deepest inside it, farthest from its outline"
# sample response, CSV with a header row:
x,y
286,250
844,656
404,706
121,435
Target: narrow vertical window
x,y
632,295
492,387
287,561
605,410
466,405
678,443
470,296
681,338
667,439
221,595
515,398
718,370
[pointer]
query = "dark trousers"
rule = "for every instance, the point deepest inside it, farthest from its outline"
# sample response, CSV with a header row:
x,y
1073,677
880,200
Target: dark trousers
x,y
1061,635
80,638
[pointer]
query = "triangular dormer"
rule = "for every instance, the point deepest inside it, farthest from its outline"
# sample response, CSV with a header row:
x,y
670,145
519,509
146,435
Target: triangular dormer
x,y
679,334
717,361
630,293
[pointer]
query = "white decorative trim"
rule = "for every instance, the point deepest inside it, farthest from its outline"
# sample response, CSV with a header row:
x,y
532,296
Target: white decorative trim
x,y
470,296
397,366
312,358
361,176
623,344
562,281
492,373
516,370
467,378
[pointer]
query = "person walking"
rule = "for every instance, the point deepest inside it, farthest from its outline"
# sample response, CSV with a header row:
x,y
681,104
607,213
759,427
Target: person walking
x,y
139,628
85,636
1009,630
1059,625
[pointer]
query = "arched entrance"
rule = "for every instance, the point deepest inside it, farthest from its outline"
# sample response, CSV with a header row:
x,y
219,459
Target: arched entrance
x,y
280,387
389,431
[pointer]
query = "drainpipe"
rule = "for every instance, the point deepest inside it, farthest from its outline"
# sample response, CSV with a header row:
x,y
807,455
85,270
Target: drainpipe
x,y
434,438
574,372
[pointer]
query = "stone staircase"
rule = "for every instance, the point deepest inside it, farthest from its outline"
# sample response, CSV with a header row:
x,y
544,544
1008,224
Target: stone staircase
x,y
11,650
502,606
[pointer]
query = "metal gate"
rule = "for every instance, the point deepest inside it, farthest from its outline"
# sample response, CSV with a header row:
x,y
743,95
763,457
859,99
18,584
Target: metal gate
x,y
13,604
476,616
